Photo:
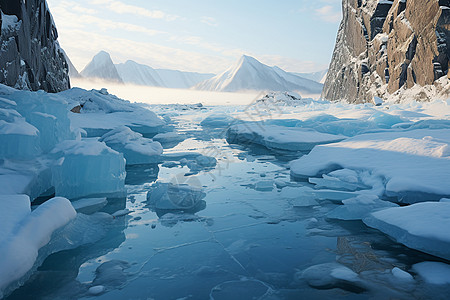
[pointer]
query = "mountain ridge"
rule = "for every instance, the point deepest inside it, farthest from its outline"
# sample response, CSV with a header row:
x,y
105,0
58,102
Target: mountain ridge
x,y
250,74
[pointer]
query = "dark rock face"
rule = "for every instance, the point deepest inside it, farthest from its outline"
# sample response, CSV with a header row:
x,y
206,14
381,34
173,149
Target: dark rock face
x,y
386,47
30,56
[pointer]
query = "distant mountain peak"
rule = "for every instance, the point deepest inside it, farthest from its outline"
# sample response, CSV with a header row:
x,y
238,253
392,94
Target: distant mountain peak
x,y
101,66
250,74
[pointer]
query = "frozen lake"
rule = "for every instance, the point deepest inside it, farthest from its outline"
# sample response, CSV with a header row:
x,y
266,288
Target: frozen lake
x,y
243,240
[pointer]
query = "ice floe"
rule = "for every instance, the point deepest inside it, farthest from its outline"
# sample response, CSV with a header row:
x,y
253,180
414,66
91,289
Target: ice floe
x,y
99,112
412,163
279,137
87,167
135,148
422,226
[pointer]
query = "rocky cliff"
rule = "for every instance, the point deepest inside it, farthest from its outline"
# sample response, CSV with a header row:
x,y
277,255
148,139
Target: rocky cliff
x,y
386,48
30,56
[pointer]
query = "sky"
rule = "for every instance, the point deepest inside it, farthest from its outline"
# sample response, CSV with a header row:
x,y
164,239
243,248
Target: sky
x,y
204,36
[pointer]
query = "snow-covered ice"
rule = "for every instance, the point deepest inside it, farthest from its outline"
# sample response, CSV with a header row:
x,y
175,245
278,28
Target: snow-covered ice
x,y
412,163
135,148
279,137
101,112
422,226
25,232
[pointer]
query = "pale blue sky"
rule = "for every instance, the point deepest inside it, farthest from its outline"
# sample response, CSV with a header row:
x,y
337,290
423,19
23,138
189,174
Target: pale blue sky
x,y
200,35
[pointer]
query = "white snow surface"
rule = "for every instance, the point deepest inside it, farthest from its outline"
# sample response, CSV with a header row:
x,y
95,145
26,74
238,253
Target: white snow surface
x,y
136,148
422,226
409,161
25,232
102,112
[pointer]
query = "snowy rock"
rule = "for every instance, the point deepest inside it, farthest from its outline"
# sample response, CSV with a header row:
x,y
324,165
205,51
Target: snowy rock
x,y
250,74
433,272
279,137
378,52
30,56
87,167
25,232
135,148
411,162
168,196
422,226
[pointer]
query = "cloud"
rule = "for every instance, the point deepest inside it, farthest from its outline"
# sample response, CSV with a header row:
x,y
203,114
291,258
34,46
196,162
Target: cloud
x,y
329,14
66,17
82,45
122,8
209,21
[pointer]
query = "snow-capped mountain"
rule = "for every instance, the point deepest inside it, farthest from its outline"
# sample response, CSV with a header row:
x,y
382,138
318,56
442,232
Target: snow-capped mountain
x,y
315,76
134,73
250,74
102,66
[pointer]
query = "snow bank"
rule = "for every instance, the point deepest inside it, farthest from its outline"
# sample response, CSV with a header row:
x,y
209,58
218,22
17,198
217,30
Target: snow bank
x,y
279,137
422,226
87,167
413,163
135,148
101,112
25,232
